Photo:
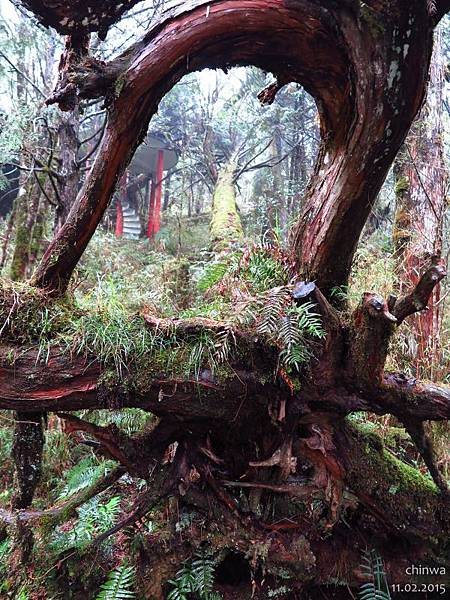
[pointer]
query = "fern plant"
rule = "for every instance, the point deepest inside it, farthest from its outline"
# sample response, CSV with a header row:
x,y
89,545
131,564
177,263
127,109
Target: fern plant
x,y
212,274
292,328
130,420
84,474
224,342
195,578
274,307
377,589
94,517
119,585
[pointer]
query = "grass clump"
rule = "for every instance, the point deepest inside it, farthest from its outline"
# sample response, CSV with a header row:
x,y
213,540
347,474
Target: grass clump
x,y
28,314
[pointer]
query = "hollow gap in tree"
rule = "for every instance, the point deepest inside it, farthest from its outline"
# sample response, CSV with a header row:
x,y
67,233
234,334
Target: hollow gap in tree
x,y
211,134
233,570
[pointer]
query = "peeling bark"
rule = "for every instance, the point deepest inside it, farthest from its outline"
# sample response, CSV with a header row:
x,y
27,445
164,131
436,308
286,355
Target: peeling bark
x,y
69,168
251,426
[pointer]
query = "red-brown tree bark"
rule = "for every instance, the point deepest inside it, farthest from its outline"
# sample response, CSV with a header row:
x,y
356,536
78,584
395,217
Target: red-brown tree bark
x,y
421,181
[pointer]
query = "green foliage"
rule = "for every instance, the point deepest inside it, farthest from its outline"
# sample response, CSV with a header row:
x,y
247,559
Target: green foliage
x,y
99,324
5,551
94,517
298,326
213,273
129,420
274,308
106,330
291,327
261,267
340,293
266,267
373,269
196,578
377,589
119,584
5,443
266,308
135,274
83,475
202,353
15,129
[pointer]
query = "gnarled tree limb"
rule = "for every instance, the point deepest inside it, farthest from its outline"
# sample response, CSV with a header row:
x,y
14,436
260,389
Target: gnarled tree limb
x,y
419,297
61,513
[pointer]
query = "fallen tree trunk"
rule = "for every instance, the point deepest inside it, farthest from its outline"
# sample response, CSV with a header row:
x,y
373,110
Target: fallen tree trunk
x,y
247,418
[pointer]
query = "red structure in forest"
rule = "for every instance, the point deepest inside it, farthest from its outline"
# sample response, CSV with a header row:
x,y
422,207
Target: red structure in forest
x,y
154,213
119,220
146,170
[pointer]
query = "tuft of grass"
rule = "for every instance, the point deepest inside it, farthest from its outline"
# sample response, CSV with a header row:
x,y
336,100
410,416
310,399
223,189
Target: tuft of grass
x,y
105,329
28,315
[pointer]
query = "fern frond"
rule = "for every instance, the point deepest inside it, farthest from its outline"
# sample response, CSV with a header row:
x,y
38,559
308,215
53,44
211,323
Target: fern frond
x,y
203,572
130,420
277,301
119,585
182,585
195,578
225,338
83,475
213,273
377,589
94,517
107,513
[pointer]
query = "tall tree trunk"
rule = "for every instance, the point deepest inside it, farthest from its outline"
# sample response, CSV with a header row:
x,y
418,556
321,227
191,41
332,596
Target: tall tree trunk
x,y
38,233
27,456
420,185
226,226
25,214
68,136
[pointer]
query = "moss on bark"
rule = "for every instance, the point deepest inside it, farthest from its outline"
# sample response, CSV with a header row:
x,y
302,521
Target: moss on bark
x,y
22,241
403,495
226,226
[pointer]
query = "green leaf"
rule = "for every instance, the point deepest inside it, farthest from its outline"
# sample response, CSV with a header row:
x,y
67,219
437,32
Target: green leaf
x,y
119,585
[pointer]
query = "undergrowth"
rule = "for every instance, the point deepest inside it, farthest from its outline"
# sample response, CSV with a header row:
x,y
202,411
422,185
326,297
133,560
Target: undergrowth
x,y
195,578
248,289
94,517
119,585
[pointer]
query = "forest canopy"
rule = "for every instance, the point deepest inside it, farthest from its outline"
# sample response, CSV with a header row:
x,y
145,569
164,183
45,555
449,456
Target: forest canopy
x,y
224,312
